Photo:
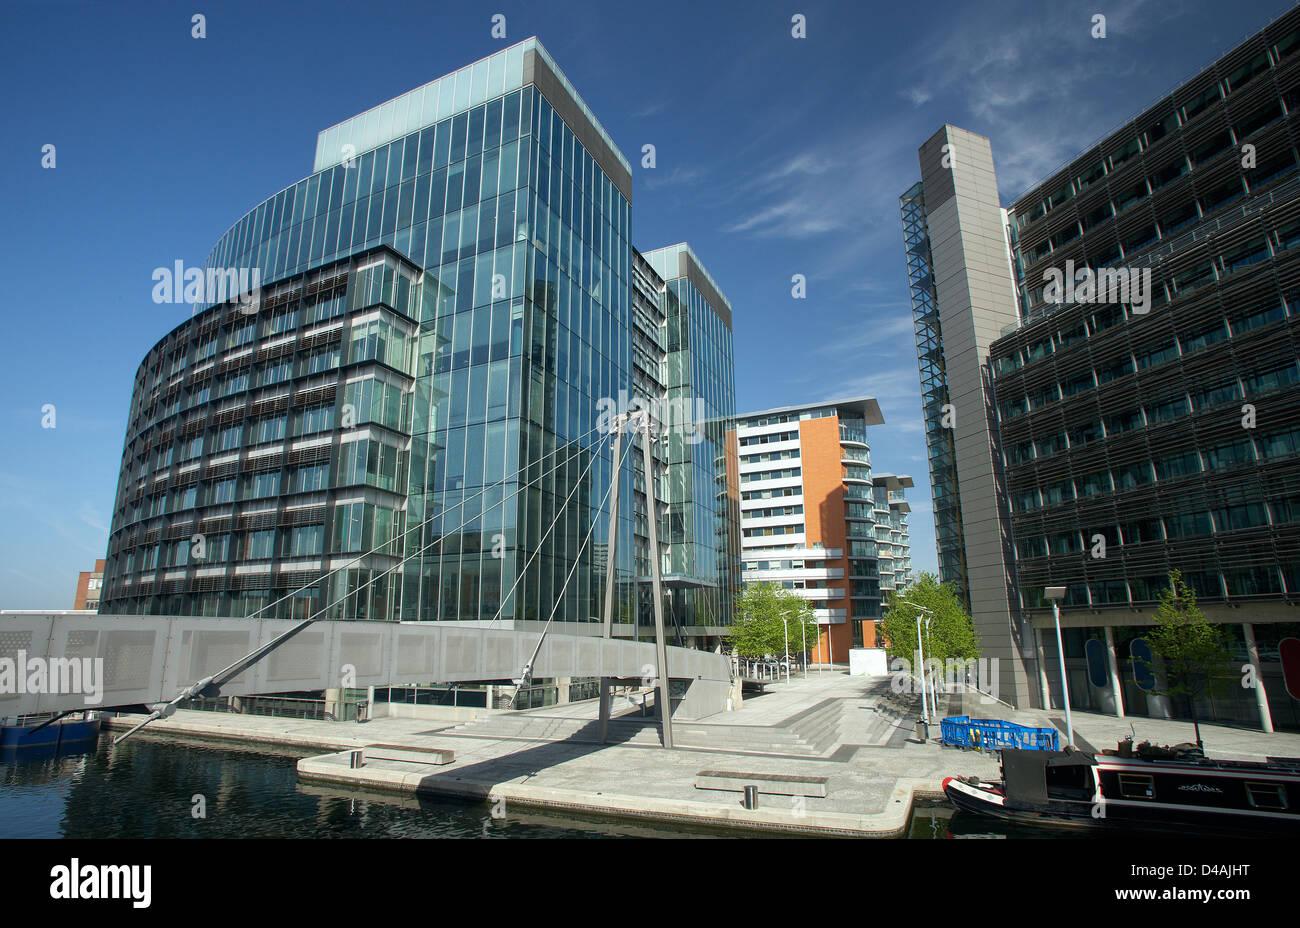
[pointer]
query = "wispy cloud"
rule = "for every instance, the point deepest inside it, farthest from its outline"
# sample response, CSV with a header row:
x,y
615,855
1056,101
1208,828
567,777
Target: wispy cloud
x,y
650,108
678,176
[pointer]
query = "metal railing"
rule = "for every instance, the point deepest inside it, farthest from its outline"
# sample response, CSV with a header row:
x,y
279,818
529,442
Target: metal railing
x,y
757,670
292,707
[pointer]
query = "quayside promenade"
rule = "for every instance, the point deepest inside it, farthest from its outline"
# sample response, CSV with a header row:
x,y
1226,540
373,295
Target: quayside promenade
x,y
831,754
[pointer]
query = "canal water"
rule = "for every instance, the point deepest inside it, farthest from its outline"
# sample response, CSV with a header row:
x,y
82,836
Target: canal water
x,y
149,788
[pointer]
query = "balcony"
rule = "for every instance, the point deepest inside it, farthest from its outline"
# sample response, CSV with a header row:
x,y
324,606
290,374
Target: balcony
x,y
853,437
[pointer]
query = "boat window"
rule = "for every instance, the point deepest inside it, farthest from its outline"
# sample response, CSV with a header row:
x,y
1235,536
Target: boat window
x,y
1137,785
1266,795
1069,782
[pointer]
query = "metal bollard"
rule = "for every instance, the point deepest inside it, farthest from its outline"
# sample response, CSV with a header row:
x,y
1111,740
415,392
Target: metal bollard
x,y
355,759
751,797
922,732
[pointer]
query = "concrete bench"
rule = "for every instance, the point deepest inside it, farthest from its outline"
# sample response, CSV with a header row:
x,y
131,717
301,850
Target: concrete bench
x,y
781,784
414,754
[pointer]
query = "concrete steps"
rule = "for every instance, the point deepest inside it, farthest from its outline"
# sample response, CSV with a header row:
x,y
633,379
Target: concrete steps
x,y
813,732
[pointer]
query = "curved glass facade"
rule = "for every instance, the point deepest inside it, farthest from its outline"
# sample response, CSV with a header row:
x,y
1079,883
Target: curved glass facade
x,y
508,206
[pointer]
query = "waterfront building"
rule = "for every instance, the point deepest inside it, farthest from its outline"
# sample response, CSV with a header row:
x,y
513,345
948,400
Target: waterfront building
x,y
814,519
1110,383
88,586
410,400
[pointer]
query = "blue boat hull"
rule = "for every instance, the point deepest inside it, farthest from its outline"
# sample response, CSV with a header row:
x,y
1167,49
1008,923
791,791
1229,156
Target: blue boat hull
x,y
22,736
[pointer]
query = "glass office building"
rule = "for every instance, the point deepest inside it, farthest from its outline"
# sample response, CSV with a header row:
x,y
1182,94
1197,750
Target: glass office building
x,y
1114,434
698,375
500,208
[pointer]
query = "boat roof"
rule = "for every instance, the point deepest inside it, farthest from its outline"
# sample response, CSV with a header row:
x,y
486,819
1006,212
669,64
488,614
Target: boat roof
x,y
1024,772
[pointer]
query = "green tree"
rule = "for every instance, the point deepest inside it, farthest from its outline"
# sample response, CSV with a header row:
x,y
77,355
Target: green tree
x,y
1191,649
763,614
951,632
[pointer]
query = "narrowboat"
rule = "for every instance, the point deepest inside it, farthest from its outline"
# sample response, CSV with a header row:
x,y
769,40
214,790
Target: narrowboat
x,y
1147,787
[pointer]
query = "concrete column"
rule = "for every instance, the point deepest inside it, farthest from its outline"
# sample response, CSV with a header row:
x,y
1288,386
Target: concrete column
x,y
562,690
1043,686
1261,697
1116,684
604,709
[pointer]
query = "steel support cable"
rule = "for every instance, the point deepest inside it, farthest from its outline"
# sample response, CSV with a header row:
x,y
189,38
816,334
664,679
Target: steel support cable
x,y
164,710
402,537
464,522
527,674
523,572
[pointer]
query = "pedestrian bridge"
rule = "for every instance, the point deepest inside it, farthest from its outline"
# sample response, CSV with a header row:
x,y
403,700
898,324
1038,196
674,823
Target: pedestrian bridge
x,y
143,660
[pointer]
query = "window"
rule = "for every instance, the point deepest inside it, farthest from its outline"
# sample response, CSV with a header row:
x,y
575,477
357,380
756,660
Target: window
x,y
1221,196
1094,484
258,545
261,486
1105,318
1123,154
1120,368
1178,217
1124,422
1130,196
1245,515
1214,395
1169,409
1211,147
1245,255
316,419
235,383
1065,543
1203,337
1137,786
1143,530
1199,103
1273,379
1258,119
241,336
306,540
1133,475
1084,432
1156,355
1266,795
309,479
1279,444
1247,72
275,373
1188,524
269,430
228,439
1253,317
1232,454
1057,493
1178,465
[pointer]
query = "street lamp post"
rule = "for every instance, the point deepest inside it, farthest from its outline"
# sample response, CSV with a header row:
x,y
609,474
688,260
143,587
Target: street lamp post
x,y
803,637
1056,594
920,647
785,659
934,697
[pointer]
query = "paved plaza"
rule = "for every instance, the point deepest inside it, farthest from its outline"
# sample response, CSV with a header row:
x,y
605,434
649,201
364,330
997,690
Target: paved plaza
x,y
848,734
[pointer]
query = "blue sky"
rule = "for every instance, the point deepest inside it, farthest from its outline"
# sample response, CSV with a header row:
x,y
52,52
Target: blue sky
x,y
775,156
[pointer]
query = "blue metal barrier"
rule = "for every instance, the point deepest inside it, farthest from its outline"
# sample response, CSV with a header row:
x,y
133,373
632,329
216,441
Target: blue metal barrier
x,y
994,734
